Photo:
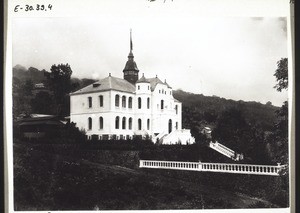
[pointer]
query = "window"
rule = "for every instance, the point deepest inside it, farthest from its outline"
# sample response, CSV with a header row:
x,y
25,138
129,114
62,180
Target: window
x,y
139,103
148,103
148,87
117,100
140,124
90,102
124,101
159,91
101,100
130,102
139,87
124,123
176,125
90,123
176,109
117,122
170,125
100,122
162,104
148,124
130,123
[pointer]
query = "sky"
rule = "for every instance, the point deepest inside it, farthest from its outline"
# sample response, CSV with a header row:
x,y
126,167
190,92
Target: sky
x,y
233,57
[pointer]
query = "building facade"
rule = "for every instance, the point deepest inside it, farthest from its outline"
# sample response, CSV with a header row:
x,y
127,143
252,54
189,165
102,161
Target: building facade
x,y
116,108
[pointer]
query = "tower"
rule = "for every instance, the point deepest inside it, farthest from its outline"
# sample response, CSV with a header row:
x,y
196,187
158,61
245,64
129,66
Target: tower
x,y
131,72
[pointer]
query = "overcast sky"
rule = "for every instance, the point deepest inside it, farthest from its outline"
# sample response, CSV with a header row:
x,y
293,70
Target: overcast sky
x,y
230,57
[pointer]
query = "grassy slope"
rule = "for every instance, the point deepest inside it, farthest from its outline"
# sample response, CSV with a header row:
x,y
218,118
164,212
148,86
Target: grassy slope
x,y
45,180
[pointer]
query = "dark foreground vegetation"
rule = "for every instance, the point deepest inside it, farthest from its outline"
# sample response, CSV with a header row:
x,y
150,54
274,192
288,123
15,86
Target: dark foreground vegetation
x,y
92,176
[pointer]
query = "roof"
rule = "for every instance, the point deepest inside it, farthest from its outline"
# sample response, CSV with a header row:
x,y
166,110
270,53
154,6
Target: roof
x,y
154,81
49,120
43,122
108,83
143,80
130,64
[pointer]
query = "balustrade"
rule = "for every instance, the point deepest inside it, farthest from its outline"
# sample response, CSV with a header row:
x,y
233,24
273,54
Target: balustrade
x,y
214,167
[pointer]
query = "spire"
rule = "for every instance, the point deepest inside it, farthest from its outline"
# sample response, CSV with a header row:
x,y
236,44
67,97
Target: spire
x,y
131,48
131,71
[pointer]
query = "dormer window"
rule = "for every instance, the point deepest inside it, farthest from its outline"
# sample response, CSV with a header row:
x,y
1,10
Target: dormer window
x,y
96,85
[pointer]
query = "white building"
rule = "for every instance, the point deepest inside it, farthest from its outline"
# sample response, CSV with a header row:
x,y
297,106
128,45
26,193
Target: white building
x,y
116,108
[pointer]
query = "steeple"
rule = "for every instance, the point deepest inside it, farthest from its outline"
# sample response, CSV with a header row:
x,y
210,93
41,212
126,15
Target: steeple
x,y
131,72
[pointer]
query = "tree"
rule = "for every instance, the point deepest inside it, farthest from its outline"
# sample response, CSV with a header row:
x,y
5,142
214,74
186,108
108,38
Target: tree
x,y
42,103
281,74
59,82
22,95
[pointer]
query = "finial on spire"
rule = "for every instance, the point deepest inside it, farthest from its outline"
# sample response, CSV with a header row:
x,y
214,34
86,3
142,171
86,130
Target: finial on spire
x,y
131,46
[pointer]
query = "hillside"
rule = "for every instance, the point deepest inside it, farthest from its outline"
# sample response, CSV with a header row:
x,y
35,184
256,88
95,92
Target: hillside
x,y
73,178
198,109
38,76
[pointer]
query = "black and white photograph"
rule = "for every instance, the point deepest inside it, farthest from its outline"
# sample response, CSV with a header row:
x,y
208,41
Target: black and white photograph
x,y
149,105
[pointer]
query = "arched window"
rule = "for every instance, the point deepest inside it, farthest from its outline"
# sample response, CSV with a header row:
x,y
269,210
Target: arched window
x,y
117,122
130,123
90,102
123,101
130,102
148,103
162,104
100,122
139,103
140,124
124,123
90,123
148,124
117,100
101,100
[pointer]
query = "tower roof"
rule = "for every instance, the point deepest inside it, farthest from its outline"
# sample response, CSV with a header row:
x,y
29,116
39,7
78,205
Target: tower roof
x,y
130,64
143,80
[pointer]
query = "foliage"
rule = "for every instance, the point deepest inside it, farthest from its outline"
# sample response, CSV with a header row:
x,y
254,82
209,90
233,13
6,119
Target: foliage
x,y
58,84
199,110
59,81
42,103
21,97
281,74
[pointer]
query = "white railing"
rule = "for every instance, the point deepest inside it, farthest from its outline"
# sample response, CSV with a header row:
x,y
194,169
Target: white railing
x,y
214,167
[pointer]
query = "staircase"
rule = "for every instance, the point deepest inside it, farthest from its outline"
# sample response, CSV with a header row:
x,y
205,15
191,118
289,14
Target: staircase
x,y
225,150
159,138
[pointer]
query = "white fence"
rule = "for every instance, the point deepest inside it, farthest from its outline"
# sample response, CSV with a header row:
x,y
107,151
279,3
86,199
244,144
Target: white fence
x,y
214,167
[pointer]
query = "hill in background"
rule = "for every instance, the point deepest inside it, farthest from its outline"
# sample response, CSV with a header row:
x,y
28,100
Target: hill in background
x,y
204,110
197,108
